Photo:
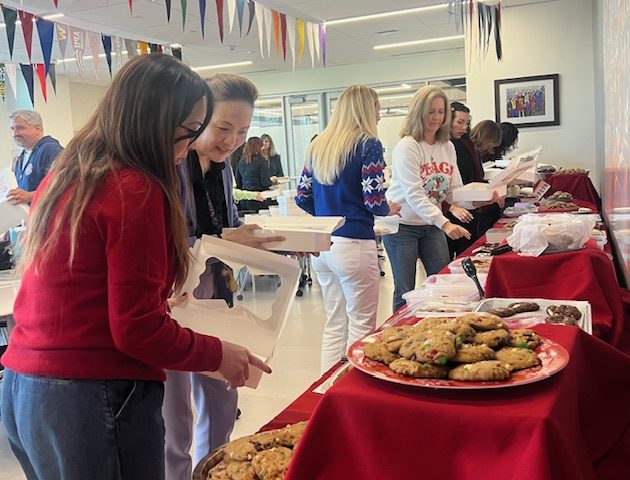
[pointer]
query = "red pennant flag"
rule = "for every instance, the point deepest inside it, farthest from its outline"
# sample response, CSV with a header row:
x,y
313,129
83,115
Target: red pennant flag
x,y
56,2
40,68
131,7
220,17
283,29
27,28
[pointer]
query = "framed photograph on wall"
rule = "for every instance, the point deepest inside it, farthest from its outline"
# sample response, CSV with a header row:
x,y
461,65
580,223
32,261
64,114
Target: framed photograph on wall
x,y
528,101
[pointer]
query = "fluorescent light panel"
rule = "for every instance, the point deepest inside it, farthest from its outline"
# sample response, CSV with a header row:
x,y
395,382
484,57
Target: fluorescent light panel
x,y
376,16
418,42
224,65
403,86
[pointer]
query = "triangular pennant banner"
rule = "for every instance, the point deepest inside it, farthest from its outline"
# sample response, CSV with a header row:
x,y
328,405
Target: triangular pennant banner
x,y
118,49
144,48
46,32
291,36
107,47
268,27
177,52
52,74
220,18
315,28
77,37
40,68
240,7
132,48
62,39
131,7
322,42
94,39
3,81
184,4
168,10
12,76
260,22
154,47
299,25
252,14
27,29
27,73
311,48
202,17
283,31
56,2
231,11
10,17
276,30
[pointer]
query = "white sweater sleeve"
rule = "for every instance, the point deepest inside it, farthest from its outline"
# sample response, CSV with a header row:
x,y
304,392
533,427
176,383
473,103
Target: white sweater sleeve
x,y
407,160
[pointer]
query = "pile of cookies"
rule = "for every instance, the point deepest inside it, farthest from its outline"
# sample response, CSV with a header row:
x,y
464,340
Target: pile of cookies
x,y
563,314
560,205
472,347
561,196
263,456
573,170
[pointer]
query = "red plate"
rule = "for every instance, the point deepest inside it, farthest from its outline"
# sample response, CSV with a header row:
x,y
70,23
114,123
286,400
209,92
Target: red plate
x,y
554,358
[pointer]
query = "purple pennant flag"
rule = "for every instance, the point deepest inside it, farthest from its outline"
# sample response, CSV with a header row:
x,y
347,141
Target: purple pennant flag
x,y
202,17
168,10
107,46
27,73
240,7
52,74
46,32
10,17
322,41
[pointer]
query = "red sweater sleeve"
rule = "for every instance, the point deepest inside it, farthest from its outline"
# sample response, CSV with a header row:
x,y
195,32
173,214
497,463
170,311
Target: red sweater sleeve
x,y
134,225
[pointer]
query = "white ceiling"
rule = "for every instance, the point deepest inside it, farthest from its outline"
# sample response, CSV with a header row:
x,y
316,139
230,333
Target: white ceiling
x,y
347,43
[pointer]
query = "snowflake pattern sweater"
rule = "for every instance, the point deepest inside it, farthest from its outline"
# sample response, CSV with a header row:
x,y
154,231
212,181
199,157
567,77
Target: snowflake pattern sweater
x,y
357,194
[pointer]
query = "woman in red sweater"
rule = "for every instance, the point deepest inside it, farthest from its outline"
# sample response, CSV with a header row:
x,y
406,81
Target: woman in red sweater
x,y
83,384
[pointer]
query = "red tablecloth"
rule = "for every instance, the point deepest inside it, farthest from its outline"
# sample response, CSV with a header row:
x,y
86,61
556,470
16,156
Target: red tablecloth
x,y
575,425
580,186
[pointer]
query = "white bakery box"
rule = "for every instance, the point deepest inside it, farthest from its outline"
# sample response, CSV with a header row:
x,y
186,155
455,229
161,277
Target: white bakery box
x,y
302,233
483,192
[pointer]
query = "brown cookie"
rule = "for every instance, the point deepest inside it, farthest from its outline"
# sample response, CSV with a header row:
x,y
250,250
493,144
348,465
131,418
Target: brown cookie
x,y
290,435
468,353
272,464
492,338
482,321
219,472
502,312
519,358
523,338
434,346
378,351
485,371
564,310
522,307
562,320
265,440
239,450
240,471
418,370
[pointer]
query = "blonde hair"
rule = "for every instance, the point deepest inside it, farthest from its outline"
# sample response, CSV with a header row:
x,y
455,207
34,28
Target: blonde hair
x,y
419,109
486,136
272,147
133,126
353,120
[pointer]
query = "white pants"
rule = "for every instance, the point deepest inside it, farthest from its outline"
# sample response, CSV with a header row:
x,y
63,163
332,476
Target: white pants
x,y
348,275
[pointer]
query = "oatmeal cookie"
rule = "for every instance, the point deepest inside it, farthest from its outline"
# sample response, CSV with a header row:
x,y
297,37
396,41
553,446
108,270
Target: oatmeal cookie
x,y
434,346
290,435
239,450
418,370
379,352
272,464
485,371
523,338
265,440
493,338
468,353
240,471
219,472
482,321
519,358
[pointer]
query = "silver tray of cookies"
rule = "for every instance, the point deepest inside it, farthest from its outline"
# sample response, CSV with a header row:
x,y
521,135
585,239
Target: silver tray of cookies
x,y
527,312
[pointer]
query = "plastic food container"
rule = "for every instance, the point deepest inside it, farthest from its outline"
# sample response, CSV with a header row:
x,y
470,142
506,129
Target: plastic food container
x,y
454,279
482,264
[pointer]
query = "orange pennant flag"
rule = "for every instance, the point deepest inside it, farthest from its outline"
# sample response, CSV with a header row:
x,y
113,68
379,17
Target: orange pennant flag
x,y
276,30
144,48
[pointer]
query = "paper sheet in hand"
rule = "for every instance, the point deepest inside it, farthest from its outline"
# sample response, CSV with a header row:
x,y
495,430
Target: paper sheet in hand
x,y
239,325
10,215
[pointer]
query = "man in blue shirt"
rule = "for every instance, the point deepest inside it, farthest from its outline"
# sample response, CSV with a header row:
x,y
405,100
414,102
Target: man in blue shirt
x,y
35,160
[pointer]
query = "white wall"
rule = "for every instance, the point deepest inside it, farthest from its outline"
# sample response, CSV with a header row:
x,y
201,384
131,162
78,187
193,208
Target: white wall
x,y
546,38
84,99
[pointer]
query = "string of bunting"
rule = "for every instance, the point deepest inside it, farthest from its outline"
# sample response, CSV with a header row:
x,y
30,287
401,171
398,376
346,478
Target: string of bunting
x,y
482,17
80,41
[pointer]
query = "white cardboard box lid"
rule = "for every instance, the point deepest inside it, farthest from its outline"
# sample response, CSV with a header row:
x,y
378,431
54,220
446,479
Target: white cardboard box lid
x,y
239,324
298,223
517,167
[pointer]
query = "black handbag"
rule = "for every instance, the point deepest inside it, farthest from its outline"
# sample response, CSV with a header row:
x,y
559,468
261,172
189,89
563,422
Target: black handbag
x,y
6,258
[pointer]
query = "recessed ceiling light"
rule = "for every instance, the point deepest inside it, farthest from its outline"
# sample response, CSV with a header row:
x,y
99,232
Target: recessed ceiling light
x,y
418,42
402,86
376,16
223,65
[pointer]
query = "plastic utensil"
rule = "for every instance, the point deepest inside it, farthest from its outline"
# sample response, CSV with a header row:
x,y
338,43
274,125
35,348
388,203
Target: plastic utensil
x,y
471,271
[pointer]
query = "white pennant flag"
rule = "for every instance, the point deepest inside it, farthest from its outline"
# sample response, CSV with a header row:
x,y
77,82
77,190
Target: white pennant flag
x,y
309,37
260,21
94,39
118,49
291,35
77,37
315,27
12,76
268,28
231,4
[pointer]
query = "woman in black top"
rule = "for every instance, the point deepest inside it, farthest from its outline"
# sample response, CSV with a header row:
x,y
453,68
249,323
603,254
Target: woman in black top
x,y
270,154
252,173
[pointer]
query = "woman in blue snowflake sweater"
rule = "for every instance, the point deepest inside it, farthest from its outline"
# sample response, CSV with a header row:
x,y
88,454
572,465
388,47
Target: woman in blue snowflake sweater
x,y
343,176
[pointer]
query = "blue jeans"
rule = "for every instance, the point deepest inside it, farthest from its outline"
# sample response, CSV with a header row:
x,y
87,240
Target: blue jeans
x,y
426,242
77,429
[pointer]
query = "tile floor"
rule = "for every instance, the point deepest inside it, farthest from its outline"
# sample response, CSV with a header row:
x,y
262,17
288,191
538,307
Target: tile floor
x,y
295,362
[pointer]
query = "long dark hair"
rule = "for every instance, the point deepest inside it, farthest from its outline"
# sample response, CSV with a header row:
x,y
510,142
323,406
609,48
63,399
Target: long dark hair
x,y
509,137
134,126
